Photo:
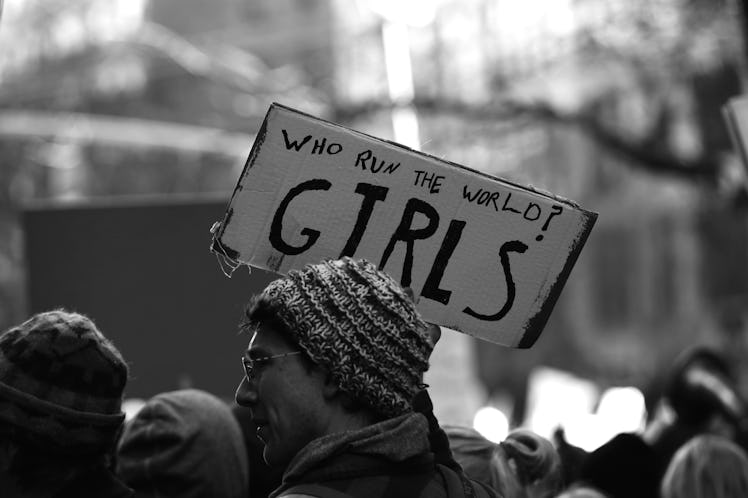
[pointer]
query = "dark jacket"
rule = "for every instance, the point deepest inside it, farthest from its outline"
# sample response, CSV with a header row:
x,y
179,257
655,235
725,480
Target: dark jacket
x,y
389,459
90,481
99,482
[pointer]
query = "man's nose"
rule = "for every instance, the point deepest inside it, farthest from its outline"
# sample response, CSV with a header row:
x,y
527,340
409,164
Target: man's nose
x,y
246,394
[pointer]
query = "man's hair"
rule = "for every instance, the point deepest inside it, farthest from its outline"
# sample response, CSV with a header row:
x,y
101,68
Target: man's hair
x,y
263,311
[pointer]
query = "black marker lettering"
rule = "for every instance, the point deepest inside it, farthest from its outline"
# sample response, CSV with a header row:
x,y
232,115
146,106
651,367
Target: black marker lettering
x,y
406,234
372,194
505,208
295,145
493,199
466,194
431,288
276,228
527,211
319,146
391,168
556,210
362,158
506,247
334,148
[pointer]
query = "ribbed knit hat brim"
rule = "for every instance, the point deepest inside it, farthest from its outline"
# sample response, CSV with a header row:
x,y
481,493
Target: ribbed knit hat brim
x,y
357,321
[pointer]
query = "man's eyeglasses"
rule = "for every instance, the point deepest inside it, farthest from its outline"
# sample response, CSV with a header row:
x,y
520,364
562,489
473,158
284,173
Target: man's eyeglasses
x,y
249,364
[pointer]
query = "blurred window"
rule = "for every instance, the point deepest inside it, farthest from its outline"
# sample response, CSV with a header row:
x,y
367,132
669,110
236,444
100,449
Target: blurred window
x,y
663,277
723,237
614,285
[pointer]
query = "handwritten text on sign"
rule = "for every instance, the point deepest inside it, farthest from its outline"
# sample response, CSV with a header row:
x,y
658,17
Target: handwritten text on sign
x,y
486,257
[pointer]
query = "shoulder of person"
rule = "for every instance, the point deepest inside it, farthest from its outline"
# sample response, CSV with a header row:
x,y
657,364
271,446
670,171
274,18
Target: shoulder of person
x,y
313,491
459,485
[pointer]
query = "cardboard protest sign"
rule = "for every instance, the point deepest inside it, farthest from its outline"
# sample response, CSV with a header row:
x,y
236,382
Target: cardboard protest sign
x,y
484,256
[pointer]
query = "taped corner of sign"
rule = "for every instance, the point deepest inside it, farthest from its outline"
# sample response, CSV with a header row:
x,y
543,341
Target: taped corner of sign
x,y
227,257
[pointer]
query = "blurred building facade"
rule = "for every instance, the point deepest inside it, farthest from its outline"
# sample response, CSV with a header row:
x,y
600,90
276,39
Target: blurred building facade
x,y
665,266
614,104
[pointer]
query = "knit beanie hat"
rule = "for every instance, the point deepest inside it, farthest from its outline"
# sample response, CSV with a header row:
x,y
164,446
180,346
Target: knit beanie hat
x,y
61,384
357,322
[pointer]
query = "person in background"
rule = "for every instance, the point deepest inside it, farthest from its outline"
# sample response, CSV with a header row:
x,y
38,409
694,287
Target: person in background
x,y
582,491
61,387
707,466
337,355
524,465
700,398
184,444
572,457
623,467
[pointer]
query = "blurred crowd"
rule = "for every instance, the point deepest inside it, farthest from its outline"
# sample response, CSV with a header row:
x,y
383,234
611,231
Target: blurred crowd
x,y
332,404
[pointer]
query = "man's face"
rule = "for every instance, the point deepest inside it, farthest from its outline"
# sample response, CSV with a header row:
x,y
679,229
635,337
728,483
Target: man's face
x,y
284,397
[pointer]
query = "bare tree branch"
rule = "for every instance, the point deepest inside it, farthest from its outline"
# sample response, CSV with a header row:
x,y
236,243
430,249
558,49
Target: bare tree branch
x,y
639,154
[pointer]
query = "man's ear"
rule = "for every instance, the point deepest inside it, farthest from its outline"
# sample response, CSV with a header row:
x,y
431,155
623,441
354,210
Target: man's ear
x,y
435,333
331,390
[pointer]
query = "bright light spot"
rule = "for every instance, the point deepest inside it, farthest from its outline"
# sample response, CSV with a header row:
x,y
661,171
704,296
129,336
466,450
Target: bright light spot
x,y
560,399
397,60
491,423
400,83
587,431
417,13
555,398
405,127
623,409
521,21
131,407
108,20
130,12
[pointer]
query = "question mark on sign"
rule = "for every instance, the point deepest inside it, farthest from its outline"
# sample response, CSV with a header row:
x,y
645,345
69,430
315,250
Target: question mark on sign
x,y
556,210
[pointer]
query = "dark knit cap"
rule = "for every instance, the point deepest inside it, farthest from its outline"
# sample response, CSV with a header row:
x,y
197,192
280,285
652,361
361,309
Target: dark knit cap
x,y
702,385
358,322
61,383
623,467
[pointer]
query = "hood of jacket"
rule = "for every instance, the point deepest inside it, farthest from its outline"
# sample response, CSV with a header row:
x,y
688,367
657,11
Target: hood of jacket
x,y
184,443
399,445
399,440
